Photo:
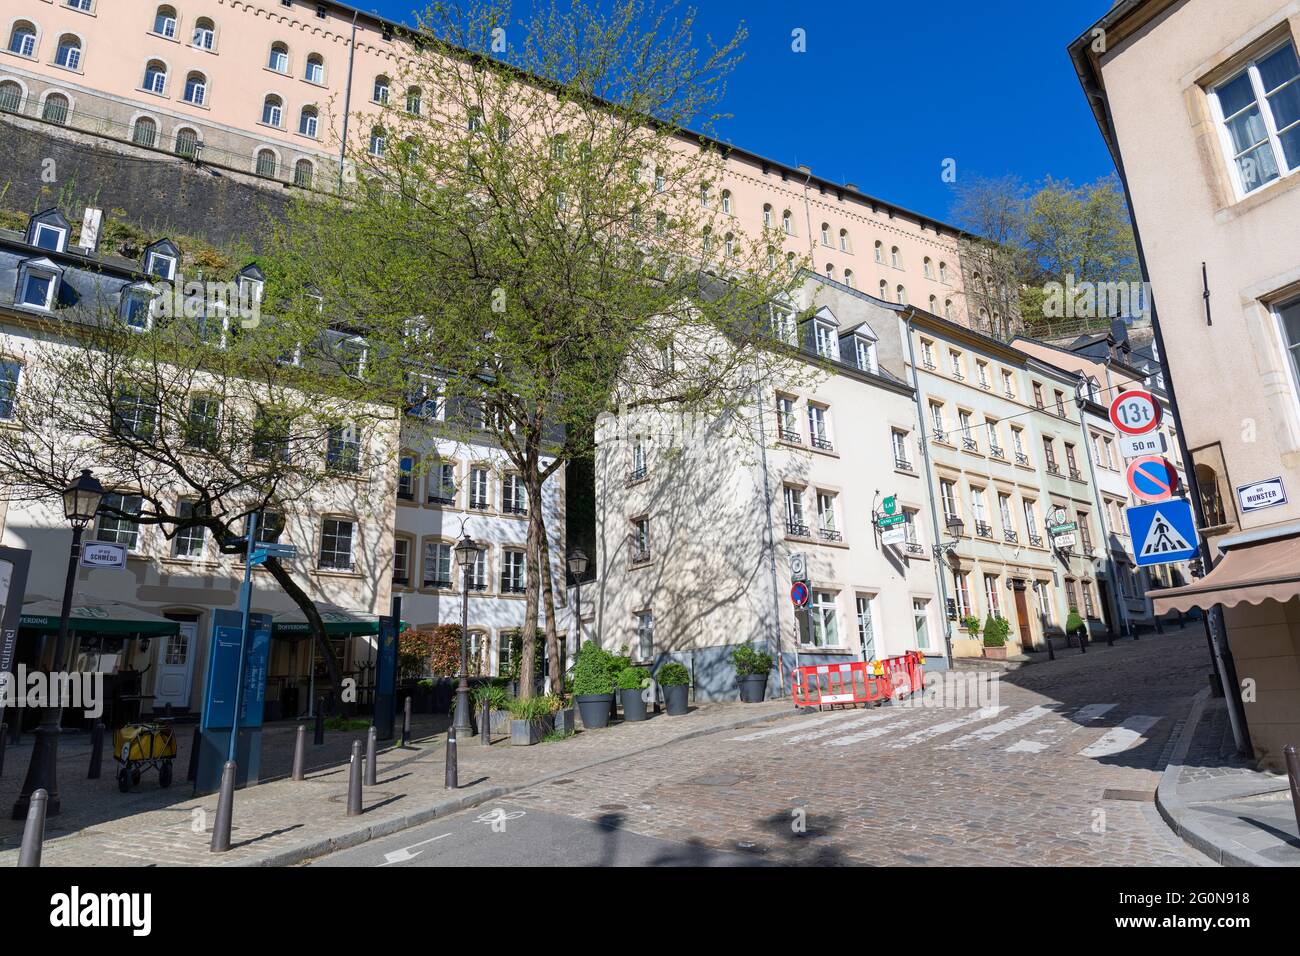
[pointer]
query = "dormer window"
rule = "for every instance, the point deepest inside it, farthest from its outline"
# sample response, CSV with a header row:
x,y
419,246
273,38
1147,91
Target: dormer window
x,y
864,353
137,300
160,260
38,284
783,325
48,236
251,283
825,337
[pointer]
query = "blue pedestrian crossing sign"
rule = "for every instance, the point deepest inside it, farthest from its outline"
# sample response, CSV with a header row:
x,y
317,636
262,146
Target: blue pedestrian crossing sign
x,y
1163,533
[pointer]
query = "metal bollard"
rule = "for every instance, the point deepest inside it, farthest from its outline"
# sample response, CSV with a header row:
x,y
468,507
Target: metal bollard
x,y
195,746
1110,638
225,810
96,750
354,781
1293,776
449,781
485,725
300,753
34,830
372,757
320,723
1083,641
406,723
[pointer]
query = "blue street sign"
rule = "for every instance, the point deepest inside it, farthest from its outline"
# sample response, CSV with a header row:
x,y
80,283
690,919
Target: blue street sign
x,y
256,558
1152,478
1163,533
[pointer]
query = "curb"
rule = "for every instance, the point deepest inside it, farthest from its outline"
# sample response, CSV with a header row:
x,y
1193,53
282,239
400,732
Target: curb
x,y
291,856
1176,811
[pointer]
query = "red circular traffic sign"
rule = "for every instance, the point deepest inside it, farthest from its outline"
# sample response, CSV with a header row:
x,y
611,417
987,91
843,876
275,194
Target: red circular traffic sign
x,y
1152,478
1135,412
799,594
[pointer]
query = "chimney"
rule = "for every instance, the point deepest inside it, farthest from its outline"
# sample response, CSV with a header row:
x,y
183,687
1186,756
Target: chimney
x,y
806,170
851,187
91,220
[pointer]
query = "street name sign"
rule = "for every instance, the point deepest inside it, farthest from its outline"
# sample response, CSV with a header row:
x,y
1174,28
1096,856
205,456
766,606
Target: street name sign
x,y
1140,446
1261,494
1063,540
1162,533
896,535
99,554
1135,412
1152,478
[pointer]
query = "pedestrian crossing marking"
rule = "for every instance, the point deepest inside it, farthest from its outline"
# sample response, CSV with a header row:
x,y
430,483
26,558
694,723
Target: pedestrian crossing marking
x,y
795,727
869,734
871,718
936,730
1001,727
1119,739
1162,538
1084,715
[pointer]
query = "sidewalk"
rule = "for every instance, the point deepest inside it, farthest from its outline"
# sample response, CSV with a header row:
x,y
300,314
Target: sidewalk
x,y
283,823
1217,802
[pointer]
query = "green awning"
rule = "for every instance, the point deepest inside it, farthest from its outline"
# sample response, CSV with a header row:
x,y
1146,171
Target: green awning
x,y
339,622
95,616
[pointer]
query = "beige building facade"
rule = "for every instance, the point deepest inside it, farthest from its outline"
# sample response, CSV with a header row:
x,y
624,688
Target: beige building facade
x,y
1199,102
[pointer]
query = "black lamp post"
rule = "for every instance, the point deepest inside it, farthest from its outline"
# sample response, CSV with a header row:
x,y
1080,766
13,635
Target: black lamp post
x,y
80,505
467,552
577,568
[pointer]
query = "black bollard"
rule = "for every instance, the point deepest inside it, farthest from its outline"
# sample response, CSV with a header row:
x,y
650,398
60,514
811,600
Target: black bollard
x,y
485,725
195,746
96,750
225,810
320,723
1110,638
449,781
406,722
372,757
34,830
1293,776
300,753
1051,654
354,781
1083,641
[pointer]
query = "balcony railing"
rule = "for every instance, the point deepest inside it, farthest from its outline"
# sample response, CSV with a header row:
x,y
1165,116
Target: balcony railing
x,y
821,443
986,386
941,436
445,499
480,504
1022,458
1008,393
995,451
1009,536
786,435
1088,550
902,464
829,534
1076,474
511,508
970,444
1053,468
915,547
797,529
958,376
437,582
636,474
511,585
478,585
640,555
984,529
928,365
1035,541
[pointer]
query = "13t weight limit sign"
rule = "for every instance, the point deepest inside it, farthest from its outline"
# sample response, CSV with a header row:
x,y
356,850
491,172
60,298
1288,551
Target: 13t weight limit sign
x,y
1135,412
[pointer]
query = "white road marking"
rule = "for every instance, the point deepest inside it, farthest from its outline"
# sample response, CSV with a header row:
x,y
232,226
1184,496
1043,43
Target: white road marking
x,y
868,734
1001,727
1119,739
799,725
404,854
1084,715
957,723
883,714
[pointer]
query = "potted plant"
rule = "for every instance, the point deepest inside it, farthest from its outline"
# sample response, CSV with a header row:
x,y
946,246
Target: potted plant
x,y
972,625
531,719
1076,627
616,663
675,680
631,682
593,688
565,713
996,630
752,668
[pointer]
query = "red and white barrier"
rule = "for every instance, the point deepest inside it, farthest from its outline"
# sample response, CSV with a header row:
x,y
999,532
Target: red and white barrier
x,y
858,682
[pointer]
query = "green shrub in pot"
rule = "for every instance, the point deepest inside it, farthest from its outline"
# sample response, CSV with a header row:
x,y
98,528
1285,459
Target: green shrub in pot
x,y
675,681
752,668
593,685
632,681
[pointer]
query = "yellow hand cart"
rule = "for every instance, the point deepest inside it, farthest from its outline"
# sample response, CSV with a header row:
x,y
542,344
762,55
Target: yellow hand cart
x,y
141,747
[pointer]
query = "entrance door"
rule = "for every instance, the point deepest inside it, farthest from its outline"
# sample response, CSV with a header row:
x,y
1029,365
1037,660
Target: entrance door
x,y
175,663
1022,614
1103,589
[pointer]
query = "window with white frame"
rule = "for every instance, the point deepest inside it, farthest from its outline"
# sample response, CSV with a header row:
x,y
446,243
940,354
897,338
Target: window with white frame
x,y
865,353
437,565
10,375
514,571
204,33
787,423
379,92
640,539
343,450
866,625
478,571
784,326
480,496
1043,598
68,54
135,413
161,264
442,484
514,497
38,284
1259,112
948,494
203,423
818,427
1288,321
46,235
155,77
164,22
961,594
824,620
406,478
936,421
116,522
993,594
794,518
901,458
1031,517
22,39
188,542
336,544
826,514
401,562
645,635
921,622
826,339
196,88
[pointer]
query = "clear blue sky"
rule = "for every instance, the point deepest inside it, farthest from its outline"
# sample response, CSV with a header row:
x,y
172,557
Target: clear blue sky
x,y
888,90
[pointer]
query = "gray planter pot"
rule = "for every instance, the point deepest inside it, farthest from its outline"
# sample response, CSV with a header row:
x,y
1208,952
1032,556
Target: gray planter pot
x,y
566,721
675,696
633,705
525,733
500,722
595,709
753,688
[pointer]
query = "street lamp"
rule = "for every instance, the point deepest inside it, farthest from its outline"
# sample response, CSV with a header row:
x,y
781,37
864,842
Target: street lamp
x,y
80,505
955,528
577,568
467,552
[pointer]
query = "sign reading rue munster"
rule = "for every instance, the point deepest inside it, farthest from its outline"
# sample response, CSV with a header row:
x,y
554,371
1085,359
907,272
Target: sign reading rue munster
x,y
1261,494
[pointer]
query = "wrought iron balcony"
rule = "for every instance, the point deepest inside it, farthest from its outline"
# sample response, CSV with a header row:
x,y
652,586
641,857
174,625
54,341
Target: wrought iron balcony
x,y
478,585
959,376
640,556
636,474
1022,458
1009,536
1076,474
822,444
1008,393
401,580
941,437
915,547
970,444
511,508
984,529
1088,550
1035,541
995,451
928,365
797,529
480,504
786,435
1054,469
437,582
829,534
444,499
902,464
986,386
510,585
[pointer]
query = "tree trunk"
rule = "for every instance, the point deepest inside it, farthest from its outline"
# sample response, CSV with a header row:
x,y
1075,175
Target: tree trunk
x,y
553,654
308,607
528,654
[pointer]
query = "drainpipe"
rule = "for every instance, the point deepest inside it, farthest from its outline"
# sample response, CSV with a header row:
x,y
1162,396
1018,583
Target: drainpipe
x,y
1096,496
347,99
929,485
807,216
1215,631
774,639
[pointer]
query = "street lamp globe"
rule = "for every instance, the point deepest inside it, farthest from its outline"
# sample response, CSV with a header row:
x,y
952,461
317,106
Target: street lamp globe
x,y
577,562
956,526
467,551
81,499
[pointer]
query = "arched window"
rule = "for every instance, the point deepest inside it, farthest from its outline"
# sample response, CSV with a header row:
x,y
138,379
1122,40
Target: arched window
x,y
790,262
844,240
302,173
767,215
378,141
144,132
279,58
787,222
11,97
69,52
155,77
826,234
307,121
265,163
830,270
196,88
315,68
884,290
947,308
729,245
414,101
187,142
943,272
22,39
205,33
848,278
164,22
272,110
902,296
380,93
895,259
55,109
934,305
660,182
929,268
880,252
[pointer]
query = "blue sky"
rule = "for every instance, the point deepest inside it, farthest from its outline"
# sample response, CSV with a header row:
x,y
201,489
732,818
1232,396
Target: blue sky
x,y
886,91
